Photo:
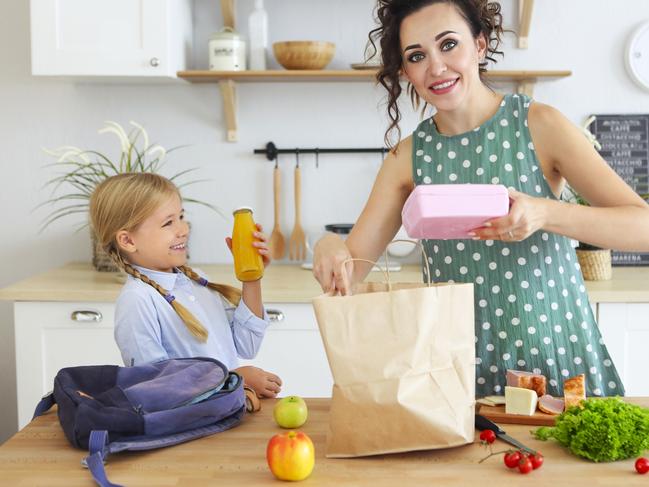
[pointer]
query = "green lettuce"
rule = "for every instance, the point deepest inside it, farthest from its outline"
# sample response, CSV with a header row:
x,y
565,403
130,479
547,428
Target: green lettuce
x,y
601,430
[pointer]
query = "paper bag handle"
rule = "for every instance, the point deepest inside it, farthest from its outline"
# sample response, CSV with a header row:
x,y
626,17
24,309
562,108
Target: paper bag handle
x,y
423,251
386,272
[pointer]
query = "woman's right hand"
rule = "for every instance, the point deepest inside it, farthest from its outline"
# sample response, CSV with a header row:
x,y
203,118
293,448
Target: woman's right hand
x,y
328,256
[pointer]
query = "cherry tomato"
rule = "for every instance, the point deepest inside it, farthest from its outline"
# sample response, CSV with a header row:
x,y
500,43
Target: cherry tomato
x,y
642,465
537,460
525,465
512,458
488,436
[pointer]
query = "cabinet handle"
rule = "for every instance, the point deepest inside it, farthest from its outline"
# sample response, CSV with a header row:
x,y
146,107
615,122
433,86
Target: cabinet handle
x,y
275,315
155,62
86,316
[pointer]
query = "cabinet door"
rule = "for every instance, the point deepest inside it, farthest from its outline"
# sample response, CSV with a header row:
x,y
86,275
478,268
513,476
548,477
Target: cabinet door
x,y
51,336
110,37
625,329
293,349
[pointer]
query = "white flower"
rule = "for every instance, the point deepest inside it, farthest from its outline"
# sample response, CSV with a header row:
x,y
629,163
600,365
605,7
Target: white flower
x,y
143,132
115,128
155,150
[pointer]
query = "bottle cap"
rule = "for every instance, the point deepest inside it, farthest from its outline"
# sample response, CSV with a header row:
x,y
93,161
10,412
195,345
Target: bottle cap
x,y
242,209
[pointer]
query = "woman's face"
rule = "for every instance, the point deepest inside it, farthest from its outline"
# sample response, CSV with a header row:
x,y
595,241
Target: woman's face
x,y
440,55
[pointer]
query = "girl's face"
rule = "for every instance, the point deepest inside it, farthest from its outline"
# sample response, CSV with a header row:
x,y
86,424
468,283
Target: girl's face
x,y
440,55
159,242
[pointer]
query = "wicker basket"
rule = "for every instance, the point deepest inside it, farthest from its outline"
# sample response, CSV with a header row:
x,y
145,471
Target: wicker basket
x,y
100,259
595,264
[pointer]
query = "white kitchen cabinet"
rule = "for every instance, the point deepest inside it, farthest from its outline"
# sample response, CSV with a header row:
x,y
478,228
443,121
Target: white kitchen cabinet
x,y
147,38
293,349
50,336
53,335
625,329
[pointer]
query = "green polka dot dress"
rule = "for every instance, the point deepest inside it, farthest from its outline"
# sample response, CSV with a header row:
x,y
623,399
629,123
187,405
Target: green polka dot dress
x,y
531,308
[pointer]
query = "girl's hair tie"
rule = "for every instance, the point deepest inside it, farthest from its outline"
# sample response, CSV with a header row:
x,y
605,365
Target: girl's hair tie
x,y
202,281
169,298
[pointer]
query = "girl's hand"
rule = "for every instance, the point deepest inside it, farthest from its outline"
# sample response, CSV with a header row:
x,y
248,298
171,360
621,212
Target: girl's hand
x,y
527,214
261,243
265,384
328,256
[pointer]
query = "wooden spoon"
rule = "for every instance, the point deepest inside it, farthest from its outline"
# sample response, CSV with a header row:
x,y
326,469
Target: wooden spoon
x,y
277,242
297,244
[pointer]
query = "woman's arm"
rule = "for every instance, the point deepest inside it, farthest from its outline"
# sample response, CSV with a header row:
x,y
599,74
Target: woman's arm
x,y
375,228
617,218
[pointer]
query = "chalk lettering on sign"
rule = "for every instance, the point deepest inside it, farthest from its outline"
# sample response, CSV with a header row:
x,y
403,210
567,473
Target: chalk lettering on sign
x,y
625,147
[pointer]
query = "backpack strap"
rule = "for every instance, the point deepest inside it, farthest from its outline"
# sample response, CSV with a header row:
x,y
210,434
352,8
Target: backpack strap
x,y
253,404
45,404
98,449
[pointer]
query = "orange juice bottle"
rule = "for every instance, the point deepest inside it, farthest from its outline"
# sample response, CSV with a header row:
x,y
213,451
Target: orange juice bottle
x,y
248,264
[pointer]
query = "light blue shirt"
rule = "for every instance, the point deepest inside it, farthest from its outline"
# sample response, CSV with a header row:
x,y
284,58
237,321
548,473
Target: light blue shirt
x,y
148,329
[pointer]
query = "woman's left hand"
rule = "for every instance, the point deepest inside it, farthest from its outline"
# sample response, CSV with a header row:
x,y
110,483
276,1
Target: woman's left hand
x,y
527,214
260,242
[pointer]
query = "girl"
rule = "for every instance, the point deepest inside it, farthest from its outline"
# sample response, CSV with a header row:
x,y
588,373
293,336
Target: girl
x,y
166,309
532,310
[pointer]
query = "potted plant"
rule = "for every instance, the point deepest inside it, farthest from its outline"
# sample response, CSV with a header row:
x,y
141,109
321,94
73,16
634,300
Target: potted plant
x,y
84,169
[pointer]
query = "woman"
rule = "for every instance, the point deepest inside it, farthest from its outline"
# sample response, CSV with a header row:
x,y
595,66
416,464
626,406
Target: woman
x,y
532,311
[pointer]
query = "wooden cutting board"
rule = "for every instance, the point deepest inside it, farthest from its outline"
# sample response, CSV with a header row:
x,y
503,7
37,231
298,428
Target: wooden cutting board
x,y
498,415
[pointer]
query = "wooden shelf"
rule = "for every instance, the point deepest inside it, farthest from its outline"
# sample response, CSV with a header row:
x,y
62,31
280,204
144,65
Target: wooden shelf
x,y
326,75
227,80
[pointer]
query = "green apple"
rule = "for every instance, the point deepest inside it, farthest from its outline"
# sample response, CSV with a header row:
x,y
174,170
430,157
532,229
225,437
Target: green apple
x,y
290,412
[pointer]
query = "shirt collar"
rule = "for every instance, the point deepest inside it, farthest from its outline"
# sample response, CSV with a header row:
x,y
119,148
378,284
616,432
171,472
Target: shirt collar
x,y
167,280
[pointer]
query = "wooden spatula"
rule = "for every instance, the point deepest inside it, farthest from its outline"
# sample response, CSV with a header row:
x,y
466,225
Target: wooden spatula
x,y
277,242
297,243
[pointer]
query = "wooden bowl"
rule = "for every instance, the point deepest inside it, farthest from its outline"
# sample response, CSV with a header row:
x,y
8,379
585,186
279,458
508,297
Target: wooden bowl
x,y
304,54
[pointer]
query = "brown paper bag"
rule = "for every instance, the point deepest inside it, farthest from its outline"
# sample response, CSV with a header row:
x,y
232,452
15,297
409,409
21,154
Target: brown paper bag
x,y
403,363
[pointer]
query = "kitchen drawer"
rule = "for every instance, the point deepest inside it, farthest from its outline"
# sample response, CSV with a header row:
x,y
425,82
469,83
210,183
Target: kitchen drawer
x,y
66,314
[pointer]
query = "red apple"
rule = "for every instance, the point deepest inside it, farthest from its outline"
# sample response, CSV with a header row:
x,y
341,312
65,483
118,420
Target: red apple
x,y
290,455
290,412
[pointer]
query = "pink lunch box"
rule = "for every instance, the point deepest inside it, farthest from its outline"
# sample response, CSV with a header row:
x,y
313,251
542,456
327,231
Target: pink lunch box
x,y
450,211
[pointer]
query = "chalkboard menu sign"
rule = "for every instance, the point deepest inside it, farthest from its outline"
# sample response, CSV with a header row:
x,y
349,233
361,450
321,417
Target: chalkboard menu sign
x,y
625,146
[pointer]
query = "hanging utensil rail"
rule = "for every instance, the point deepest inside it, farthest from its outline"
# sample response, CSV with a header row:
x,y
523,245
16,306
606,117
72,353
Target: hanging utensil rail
x,y
272,151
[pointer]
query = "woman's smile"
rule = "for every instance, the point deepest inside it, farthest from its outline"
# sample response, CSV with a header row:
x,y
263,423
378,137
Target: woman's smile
x,y
444,86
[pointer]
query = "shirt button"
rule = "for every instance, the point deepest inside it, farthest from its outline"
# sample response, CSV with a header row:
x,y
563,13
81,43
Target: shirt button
x,y
192,298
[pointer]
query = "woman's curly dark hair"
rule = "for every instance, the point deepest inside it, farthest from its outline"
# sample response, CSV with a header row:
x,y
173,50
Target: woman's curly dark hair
x,y
483,17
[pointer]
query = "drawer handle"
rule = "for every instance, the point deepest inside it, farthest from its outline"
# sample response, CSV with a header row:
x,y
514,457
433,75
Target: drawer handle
x,y
155,62
275,315
86,316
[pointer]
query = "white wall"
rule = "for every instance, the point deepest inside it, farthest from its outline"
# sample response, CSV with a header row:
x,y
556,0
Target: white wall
x,y
585,36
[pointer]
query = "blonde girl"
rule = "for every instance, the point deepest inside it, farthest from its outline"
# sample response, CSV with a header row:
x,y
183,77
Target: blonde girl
x,y
166,309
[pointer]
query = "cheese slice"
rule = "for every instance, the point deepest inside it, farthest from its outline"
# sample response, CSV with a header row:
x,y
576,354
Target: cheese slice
x,y
497,400
520,401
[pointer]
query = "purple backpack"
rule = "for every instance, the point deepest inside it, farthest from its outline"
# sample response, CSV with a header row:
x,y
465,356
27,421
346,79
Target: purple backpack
x,y
107,408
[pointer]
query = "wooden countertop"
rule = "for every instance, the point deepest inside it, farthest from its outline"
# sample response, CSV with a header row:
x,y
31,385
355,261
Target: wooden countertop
x,y
281,284
39,455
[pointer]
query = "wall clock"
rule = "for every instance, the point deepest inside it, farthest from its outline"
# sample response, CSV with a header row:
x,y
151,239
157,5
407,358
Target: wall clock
x,y
637,55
